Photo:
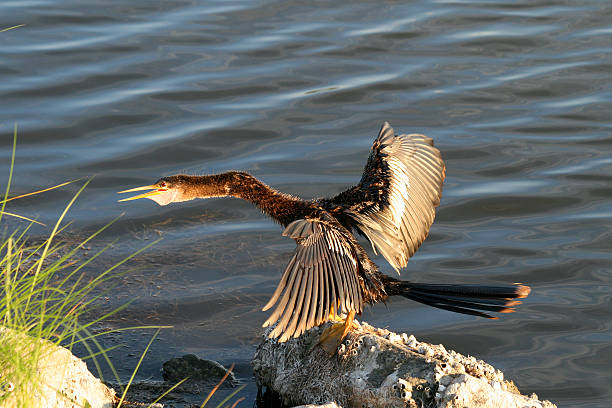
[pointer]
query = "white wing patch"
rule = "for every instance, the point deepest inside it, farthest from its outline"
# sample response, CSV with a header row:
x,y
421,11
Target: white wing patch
x,y
414,176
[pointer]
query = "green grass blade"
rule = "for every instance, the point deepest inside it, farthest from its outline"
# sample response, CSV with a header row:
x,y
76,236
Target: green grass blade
x,y
12,28
229,397
21,217
136,369
49,240
118,330
167,392
41,191
10,177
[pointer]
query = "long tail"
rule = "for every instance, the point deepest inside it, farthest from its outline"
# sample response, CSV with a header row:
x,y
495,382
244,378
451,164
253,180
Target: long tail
x,y
467,299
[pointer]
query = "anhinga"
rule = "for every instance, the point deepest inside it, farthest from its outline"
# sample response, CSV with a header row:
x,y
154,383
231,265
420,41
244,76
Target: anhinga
x,y
330,273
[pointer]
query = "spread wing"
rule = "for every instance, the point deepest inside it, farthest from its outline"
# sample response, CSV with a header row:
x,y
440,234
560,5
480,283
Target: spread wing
x,y
321,278
395,201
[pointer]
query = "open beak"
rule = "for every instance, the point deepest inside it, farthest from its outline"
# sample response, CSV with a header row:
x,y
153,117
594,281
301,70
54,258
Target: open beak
x,y
155,191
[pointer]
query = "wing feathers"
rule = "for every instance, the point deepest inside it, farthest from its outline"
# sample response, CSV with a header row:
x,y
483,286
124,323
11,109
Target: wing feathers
x,y
402,183
288,312
315,302
308,304
280,307
320,279
298,310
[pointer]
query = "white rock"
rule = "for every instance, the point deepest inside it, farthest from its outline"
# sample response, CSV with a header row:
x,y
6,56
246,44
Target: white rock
x,y
468,391
63,379
302,373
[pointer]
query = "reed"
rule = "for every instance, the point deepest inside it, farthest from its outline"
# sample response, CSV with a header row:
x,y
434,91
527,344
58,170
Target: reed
x,y
45,297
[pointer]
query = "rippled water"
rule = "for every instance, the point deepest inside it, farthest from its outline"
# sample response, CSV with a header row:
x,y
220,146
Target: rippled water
x,y
516,95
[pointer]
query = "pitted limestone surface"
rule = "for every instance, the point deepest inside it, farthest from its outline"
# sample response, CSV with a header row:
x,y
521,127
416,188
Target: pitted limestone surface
x,y
378,368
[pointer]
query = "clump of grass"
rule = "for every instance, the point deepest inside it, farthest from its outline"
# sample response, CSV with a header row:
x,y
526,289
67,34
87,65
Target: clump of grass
x,y
44,295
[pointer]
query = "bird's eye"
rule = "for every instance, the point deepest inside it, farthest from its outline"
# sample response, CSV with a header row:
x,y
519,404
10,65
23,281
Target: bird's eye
x,y
163,184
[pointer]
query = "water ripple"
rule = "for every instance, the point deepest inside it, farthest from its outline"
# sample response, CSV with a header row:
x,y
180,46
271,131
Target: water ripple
x,y
515,94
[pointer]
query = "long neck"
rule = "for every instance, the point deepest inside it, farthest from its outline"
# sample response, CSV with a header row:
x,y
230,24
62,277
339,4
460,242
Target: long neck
x,y
283,208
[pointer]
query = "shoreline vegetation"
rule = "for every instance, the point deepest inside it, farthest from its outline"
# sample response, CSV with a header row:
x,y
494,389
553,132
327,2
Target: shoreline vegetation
x,y
45,297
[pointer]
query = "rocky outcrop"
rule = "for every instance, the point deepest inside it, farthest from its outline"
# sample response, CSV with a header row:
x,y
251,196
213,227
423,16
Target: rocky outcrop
x,y
62,380
377,368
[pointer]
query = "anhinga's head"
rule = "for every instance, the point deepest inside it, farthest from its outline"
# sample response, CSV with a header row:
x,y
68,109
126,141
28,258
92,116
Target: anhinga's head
x,y
182,187
166,190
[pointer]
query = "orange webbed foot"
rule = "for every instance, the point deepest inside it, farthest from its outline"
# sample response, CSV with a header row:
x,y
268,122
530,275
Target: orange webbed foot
x,y
332,337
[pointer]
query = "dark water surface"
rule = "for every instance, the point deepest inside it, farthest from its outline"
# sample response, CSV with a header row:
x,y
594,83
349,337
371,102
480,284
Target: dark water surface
x,y
517,95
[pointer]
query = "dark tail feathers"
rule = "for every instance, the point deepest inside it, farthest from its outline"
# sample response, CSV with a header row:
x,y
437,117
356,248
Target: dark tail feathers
x,y
466,299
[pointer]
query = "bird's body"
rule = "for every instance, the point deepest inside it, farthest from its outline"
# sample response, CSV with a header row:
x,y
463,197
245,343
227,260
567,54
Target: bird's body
x,y
330,273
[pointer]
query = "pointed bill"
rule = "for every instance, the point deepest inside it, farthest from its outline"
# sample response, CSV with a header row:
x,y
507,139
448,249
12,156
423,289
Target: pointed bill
x,y
155,191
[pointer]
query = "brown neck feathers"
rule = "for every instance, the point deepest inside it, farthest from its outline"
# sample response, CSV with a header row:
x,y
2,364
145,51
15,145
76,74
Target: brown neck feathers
x,y
283,208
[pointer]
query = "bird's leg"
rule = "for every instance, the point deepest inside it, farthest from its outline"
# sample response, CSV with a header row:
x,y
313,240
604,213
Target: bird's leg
x,y
333,317
331,337
348,323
